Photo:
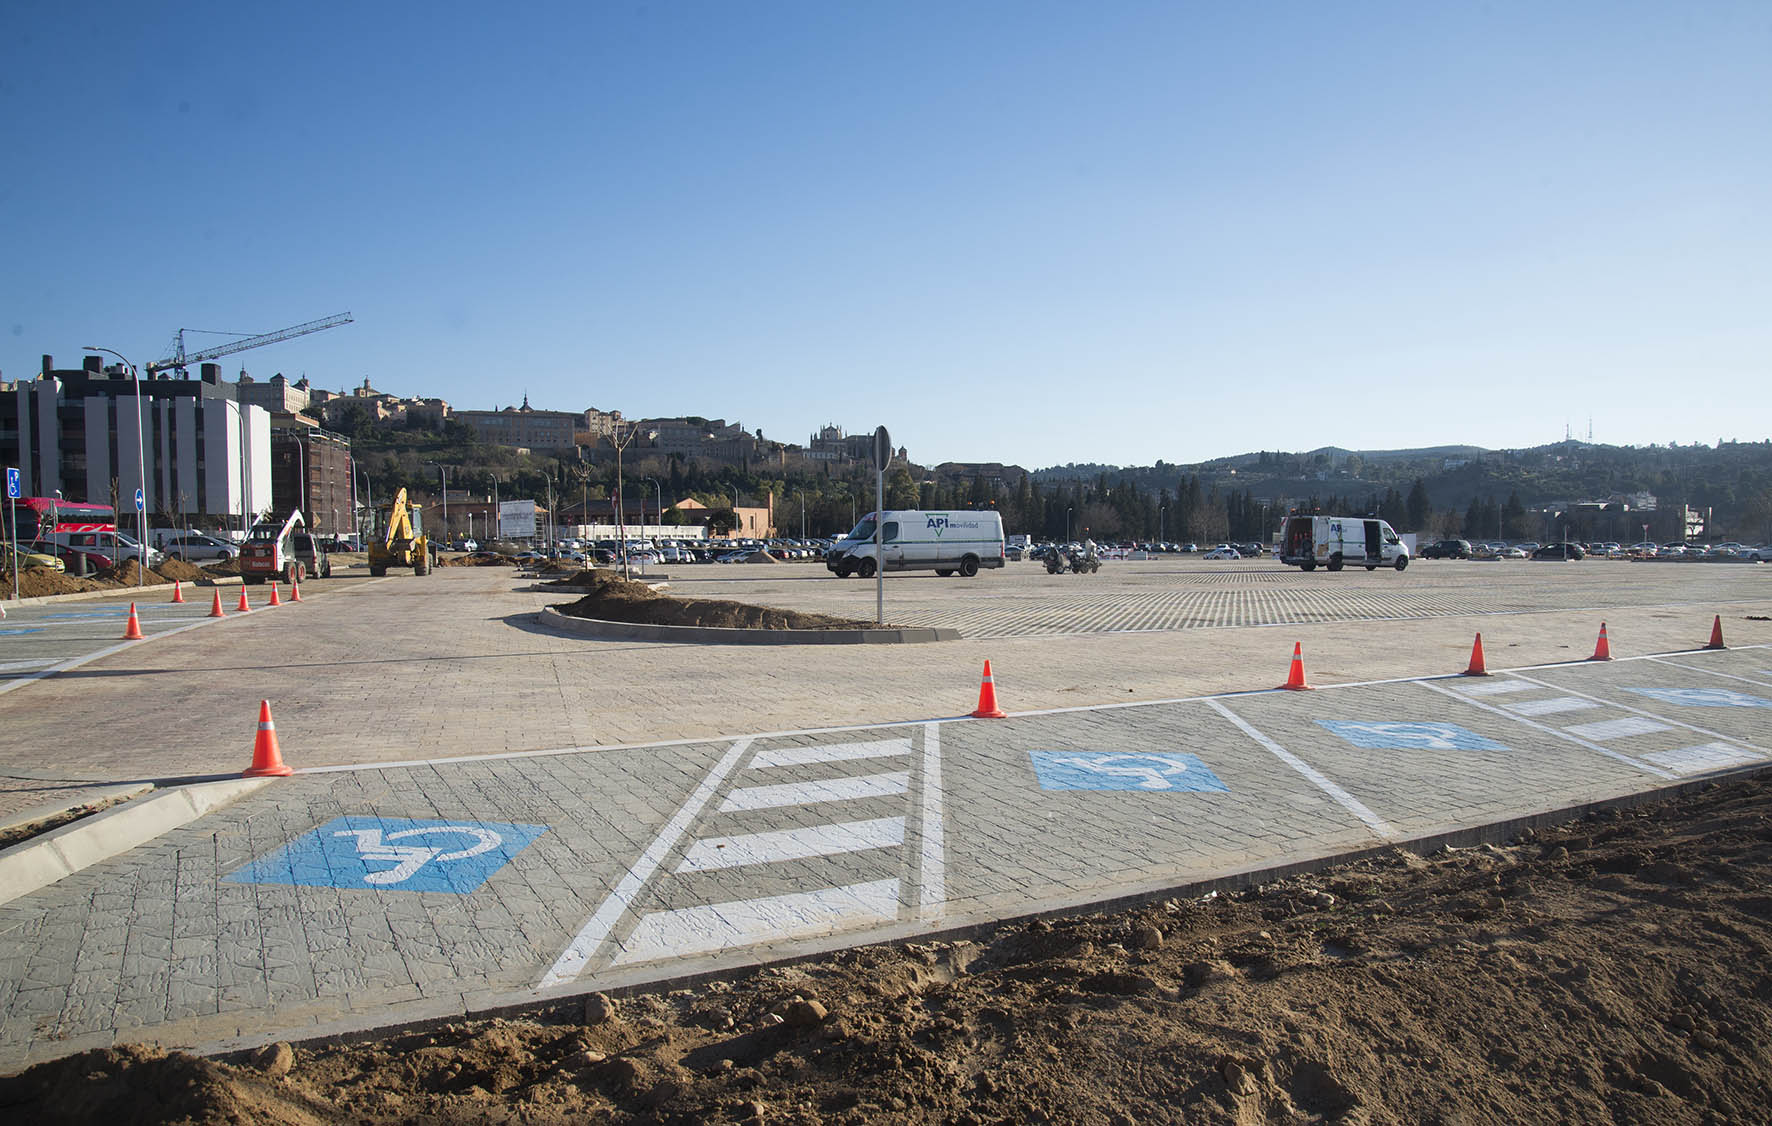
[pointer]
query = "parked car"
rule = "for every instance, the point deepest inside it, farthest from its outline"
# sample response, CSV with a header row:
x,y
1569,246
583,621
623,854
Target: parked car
x,y
194,547
27,559
1510,553
106,545
1447,549
1568,552
1224,551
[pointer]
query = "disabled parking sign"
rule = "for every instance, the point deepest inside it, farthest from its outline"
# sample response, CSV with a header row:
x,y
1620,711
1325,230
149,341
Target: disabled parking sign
x,y
392,854
1704,697
1376,735
1149,771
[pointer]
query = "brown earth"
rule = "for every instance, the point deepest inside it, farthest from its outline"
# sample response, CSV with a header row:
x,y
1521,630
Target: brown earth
x,y
476,559
1608,970
38,583
615,599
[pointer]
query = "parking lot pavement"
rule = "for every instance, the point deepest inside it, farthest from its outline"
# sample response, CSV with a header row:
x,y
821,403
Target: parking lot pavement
x,y
374,895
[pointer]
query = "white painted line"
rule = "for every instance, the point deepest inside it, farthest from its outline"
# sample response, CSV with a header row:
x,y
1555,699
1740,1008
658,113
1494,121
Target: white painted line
x,y
823,790
1654,716
1494,687
712,853
721,926
1617,728
15,666
838,752
571,961
1549,730
932,889
1706,756
1712,672
1346,800
1549,707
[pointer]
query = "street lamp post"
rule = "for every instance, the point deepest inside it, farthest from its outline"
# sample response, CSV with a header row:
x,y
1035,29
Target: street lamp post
x,y
443,475
802,493
141,465
622,443
1162,514
1067,524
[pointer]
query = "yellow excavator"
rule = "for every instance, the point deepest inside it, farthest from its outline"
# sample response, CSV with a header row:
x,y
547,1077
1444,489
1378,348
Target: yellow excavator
x,y
402,541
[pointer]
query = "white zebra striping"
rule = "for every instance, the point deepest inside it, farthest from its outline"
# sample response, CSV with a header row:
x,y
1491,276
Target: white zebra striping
x,y
1346,800
1617,728
714,927
1705,756
1547,729
932,888
810,793
1494,687
838,752
712,853
1550,707
572,959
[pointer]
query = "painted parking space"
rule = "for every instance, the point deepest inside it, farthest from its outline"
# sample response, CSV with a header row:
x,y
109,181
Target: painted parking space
x,y
1421,755
1698,698
1065,807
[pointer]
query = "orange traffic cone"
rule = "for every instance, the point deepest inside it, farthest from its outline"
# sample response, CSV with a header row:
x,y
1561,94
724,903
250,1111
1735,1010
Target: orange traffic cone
x,y
987,698
295,592
134,631
267,761
1716,634
275,601
1295,678
1477,668
216,610
244,606
1602,651
178,593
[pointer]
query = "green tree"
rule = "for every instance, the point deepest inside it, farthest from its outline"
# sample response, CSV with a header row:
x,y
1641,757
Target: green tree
x,y
722,522
1418,506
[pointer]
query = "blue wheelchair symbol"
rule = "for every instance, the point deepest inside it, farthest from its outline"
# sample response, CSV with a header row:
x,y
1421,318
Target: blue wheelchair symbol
x,y
1375,735
1149,771
1703,697
393,854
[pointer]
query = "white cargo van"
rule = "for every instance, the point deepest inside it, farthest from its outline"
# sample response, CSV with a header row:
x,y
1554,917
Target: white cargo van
x,y
943,542
1334,541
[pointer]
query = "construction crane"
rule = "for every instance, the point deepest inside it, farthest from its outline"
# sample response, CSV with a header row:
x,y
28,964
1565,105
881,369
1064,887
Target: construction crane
x,y
178,361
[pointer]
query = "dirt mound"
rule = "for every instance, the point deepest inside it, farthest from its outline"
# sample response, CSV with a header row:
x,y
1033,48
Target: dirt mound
x,y
1609,970
615,599
38,583
223,567
477,560
179,570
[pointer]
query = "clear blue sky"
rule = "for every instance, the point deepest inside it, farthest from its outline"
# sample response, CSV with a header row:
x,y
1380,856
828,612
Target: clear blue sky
x,y
1028,232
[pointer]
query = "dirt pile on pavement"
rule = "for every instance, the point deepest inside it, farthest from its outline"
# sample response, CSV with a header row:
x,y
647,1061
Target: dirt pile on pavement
x,y
34,582
223,567
615,599
477,559
1609,970
177,570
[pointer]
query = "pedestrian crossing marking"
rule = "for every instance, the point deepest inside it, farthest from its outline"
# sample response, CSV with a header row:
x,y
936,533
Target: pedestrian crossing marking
x,y
1550,707
837,752
1705,756
1617,728
812,793
713,927
712,853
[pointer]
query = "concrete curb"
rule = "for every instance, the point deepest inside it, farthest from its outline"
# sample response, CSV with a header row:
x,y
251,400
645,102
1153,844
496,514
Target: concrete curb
x,y
712,635
43,860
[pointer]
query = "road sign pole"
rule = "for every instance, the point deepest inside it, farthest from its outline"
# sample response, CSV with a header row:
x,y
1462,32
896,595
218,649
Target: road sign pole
x,y
12,491
882,455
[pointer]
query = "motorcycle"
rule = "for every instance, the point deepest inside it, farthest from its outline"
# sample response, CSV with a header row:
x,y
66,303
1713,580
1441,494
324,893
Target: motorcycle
x,y
1084,564
1055,562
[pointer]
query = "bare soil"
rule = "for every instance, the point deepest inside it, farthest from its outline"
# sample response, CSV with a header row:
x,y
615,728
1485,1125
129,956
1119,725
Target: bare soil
x,y
615,599
1608,970
38,583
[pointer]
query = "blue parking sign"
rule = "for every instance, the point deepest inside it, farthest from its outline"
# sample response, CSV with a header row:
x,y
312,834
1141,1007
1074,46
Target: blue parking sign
x,y
392,854
12,486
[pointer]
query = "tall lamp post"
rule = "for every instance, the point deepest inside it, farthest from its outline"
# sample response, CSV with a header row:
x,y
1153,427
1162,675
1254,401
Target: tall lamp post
x,y
658,494
141,464
1067,524
443,474
621,443
1162,514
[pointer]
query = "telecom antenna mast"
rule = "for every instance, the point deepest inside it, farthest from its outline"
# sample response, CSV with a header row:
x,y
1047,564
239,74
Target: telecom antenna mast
x,y
179,360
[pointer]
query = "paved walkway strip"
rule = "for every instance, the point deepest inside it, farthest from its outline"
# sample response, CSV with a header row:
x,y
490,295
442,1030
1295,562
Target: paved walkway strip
x,y
572,960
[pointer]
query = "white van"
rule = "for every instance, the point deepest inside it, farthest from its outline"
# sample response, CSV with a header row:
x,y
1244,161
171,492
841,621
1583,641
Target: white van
x,y
943,542
1334,541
